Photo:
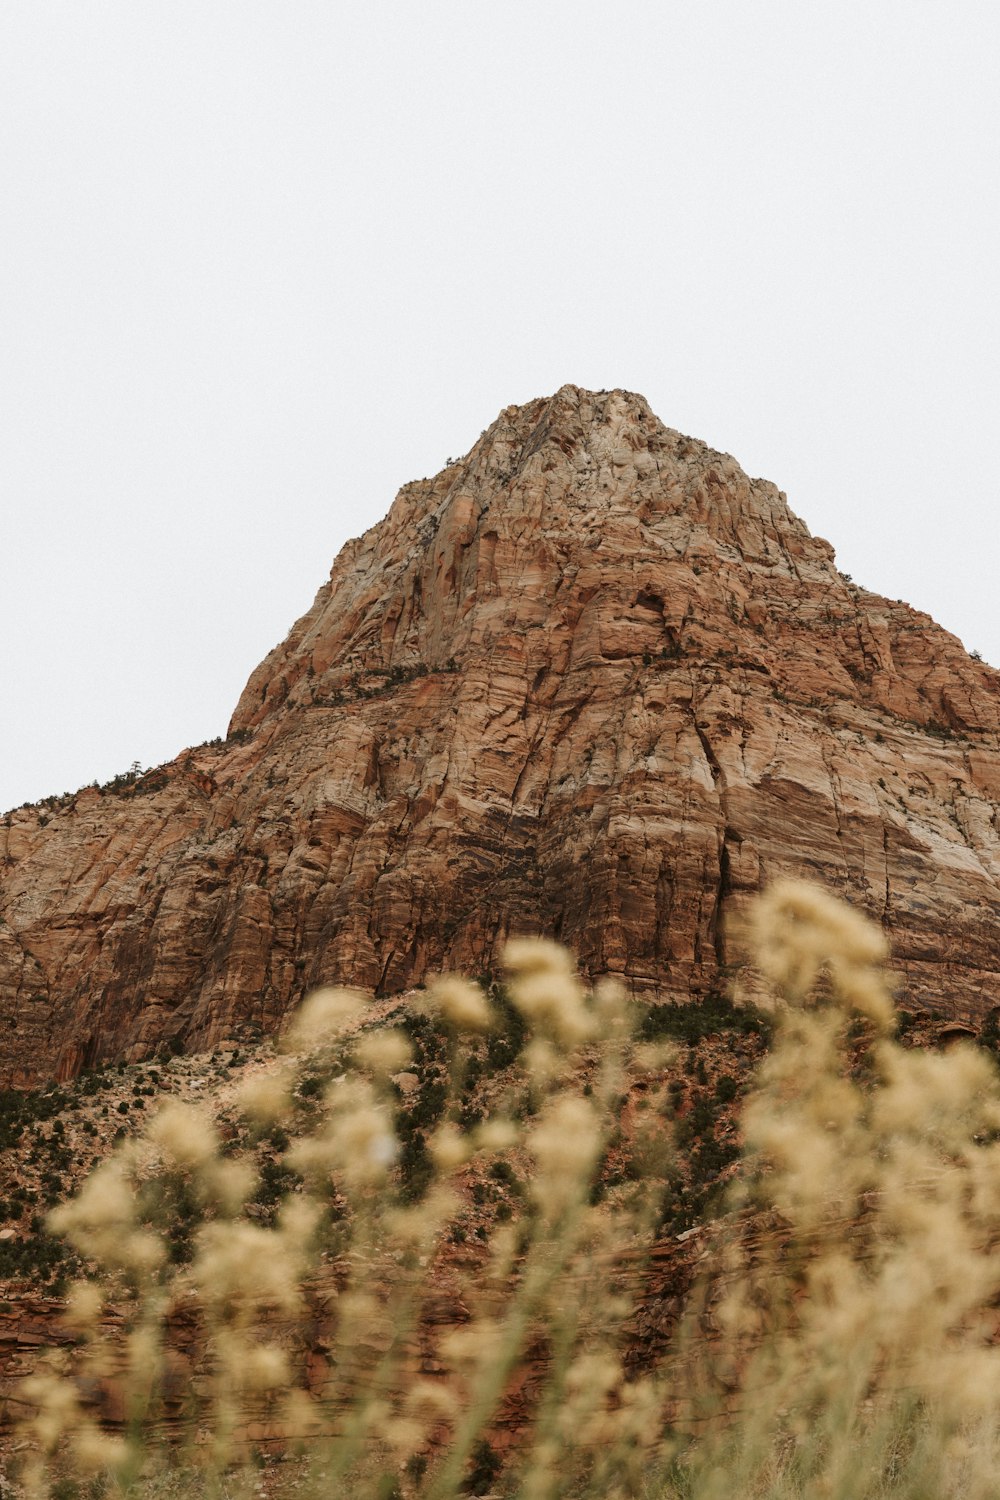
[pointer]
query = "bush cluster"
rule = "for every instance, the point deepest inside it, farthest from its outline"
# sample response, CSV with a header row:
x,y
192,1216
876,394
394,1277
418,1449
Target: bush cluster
x,y
385,1319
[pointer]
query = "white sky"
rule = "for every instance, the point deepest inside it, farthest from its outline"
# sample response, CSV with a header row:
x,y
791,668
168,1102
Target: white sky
x,y
260,264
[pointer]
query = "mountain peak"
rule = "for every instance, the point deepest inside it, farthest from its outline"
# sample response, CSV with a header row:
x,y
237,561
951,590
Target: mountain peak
x,y
589,680
581,482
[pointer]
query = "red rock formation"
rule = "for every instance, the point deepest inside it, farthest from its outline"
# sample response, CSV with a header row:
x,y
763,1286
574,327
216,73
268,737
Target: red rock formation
x,y
590,679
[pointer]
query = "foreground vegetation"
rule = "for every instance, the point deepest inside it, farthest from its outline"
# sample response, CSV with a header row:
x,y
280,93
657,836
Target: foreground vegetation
x,y
420,1293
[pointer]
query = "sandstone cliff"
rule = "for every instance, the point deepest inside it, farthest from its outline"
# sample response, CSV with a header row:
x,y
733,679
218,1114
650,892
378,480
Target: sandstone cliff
x,y
591,679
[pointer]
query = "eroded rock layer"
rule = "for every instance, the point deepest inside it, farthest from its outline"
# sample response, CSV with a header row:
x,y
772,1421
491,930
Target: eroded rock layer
x,y
590,680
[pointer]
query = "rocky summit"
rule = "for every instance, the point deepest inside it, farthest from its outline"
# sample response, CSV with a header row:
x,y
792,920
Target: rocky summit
x,y
590,680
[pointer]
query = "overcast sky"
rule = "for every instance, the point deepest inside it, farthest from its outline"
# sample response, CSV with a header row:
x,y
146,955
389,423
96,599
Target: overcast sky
x,y
263,263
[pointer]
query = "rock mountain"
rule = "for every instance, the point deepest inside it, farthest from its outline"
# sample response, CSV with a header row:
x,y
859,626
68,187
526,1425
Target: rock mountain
x,y
590,680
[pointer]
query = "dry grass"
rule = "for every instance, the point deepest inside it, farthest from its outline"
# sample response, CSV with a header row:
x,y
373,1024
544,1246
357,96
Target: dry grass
x,y
841,1342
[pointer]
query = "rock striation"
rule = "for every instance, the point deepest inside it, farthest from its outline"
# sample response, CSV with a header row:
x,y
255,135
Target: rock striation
x,y
590,680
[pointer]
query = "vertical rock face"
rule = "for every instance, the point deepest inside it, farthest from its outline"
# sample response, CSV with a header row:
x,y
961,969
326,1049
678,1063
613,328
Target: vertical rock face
x,y
590,680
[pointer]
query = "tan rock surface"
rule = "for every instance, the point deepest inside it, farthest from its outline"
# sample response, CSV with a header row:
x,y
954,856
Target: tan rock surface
x,y
590,679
